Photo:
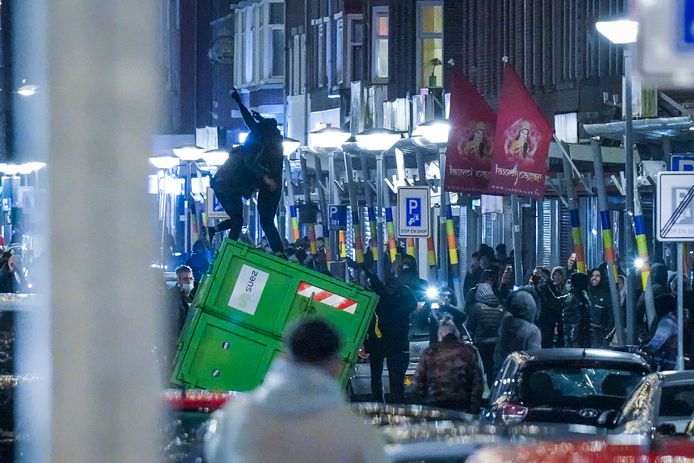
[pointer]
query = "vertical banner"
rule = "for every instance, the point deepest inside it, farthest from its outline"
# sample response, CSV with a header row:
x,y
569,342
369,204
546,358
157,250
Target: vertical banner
x,y
577,240
411,250
470,140
521,142
356,236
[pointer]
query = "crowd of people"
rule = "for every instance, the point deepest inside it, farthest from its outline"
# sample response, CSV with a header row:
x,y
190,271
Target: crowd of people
x,y
558,307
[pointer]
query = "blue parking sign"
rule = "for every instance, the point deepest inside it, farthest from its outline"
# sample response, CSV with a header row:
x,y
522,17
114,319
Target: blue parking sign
x,y
337,216
688,18
414,212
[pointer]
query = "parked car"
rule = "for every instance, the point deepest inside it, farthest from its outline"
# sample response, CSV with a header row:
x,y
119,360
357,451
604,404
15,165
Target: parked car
x,y
570,385
594,451
662,403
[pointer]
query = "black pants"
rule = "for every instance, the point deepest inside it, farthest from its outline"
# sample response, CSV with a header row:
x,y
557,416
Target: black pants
x,y
397,367
230,197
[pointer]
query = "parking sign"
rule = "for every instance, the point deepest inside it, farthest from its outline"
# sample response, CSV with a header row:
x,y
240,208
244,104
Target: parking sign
x,y
682,162
675,212
213,207
337,216
413,212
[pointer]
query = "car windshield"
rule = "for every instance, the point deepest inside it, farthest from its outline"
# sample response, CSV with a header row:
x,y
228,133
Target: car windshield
x,y
563,384
677,400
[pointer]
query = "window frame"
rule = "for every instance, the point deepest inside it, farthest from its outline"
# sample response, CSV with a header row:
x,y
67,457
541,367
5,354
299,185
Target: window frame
x,y
421,36
378,12
351,44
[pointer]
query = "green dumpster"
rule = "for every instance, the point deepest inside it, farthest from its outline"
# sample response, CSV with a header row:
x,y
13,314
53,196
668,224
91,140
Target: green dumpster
x,y
264,293
246,303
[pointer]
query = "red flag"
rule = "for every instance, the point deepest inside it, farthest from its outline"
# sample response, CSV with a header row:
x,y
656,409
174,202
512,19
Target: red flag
x,y
519,163
470,140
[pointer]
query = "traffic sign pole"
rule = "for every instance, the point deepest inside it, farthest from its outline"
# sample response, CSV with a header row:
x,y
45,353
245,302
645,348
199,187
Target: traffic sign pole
x,y
680,307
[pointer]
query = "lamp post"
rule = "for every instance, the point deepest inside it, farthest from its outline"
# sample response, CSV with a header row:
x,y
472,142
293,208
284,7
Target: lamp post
x,y
436,132
189,154
329,140
164,163
625,32
378,141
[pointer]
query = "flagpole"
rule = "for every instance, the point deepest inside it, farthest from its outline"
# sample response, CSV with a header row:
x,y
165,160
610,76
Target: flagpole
x,y
515,237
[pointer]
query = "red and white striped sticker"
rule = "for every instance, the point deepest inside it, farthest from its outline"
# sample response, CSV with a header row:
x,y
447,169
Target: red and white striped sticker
x,y
327,298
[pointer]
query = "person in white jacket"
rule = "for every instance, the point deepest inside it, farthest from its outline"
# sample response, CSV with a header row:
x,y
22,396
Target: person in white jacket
x,y
298,414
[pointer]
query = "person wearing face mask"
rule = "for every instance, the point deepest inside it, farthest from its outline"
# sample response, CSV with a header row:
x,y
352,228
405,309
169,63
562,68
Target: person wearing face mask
x,y
180,297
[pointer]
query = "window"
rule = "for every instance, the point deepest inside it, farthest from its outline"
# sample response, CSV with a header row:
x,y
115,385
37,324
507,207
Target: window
x,y
259,43
355,48
379,44
339,49
429,43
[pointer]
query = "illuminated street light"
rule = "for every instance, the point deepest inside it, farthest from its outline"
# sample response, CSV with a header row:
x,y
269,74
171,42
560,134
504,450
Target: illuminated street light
x,y
434,131
377,139
189,152
215,157
164,161
28,90
328,138
289,145
620,31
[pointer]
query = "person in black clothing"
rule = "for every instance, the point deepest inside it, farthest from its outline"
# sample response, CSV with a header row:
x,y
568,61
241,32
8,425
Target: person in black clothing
x,y
601,314
484,320
576,314
256,165
388,335
179,300
659,286
472,277
199,260
11,279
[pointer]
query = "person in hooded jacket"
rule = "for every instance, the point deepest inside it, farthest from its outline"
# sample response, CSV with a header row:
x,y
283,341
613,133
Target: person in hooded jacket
x,y
484,320
659,285
255,166
517,331
387,338
299,413
663,343
601,315
576,314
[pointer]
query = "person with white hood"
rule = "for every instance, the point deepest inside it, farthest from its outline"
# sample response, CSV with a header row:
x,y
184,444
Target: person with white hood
x,y
299,413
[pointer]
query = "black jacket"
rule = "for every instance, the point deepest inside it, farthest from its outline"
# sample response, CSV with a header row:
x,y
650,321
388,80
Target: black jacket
x,y
576,319
389,329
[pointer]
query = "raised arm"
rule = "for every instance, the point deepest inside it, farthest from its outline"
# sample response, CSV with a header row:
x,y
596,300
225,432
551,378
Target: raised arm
x,y
248,118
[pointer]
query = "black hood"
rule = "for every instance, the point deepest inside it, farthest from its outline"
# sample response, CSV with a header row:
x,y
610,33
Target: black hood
x,y
579,281
521,304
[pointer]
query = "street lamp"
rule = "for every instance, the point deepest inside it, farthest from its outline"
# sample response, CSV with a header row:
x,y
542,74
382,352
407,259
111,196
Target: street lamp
x,y
625,32
328,138
621,31
215,157
188,153
164,161
378,141
289,145
435,131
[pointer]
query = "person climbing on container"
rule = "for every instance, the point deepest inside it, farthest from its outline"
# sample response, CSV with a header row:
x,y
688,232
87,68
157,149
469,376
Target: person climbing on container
x,y
254,166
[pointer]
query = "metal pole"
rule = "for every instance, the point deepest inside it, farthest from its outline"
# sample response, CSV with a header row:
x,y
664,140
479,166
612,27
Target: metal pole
x,y
680,307
380,173
606,226
443,238
629,172
321,193
576,230
516,241
334,197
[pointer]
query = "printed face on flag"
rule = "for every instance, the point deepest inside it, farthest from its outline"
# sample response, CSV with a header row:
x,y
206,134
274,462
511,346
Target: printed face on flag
x,y
471,139
522,137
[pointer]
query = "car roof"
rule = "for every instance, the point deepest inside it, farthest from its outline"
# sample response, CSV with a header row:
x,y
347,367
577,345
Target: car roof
x,y
571,353
676,376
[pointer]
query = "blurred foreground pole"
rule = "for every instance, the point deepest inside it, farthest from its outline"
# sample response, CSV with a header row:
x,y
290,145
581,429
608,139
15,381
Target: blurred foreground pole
x,y
102,109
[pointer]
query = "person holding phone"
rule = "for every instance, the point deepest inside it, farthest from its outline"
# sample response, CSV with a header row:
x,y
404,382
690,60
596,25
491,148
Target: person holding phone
x,y
254,166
